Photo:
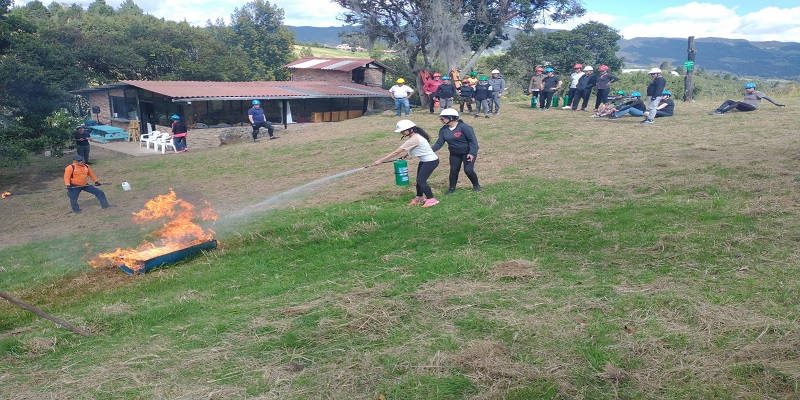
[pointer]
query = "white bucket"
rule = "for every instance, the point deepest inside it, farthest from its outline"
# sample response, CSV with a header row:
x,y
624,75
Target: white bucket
x,y
126,186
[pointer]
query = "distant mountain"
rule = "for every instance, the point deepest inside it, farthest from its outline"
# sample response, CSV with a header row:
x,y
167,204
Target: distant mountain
x,y
735,56
326,36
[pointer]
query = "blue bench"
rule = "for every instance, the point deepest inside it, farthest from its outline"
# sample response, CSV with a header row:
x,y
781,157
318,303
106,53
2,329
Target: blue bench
x,y
107,133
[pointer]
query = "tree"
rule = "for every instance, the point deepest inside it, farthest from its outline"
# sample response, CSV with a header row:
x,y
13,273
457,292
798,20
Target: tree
x,y
591,43
424,31
260,32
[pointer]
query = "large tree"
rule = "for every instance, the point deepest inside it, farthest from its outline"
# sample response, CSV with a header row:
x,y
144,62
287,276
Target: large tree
x,y
446,30
591,43
259,30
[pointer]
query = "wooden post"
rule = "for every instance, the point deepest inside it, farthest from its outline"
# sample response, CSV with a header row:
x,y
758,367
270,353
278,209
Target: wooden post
x,y
688,85
44,315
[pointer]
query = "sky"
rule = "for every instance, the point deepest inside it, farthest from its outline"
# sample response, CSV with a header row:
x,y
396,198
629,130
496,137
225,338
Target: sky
x,y
753,20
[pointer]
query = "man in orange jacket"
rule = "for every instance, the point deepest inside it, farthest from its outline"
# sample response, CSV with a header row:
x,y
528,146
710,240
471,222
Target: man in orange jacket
x,y
75,178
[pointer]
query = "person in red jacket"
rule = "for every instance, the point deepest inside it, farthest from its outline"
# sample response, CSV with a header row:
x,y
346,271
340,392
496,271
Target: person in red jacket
x,y
75,177
430,88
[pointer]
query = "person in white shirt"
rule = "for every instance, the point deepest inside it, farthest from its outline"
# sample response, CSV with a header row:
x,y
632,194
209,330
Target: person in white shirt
x,y
417,144
401,93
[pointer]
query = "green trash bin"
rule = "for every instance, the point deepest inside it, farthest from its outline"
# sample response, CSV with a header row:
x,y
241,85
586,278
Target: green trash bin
x,y
401,172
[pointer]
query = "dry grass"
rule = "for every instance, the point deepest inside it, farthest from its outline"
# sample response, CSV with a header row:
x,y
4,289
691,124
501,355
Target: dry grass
x,y
656,347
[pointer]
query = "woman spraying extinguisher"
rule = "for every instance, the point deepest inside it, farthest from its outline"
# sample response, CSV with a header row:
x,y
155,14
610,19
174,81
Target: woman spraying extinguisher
x,y
417,144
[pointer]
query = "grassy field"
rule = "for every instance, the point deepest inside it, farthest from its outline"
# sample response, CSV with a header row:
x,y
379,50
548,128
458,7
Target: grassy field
x,y
602,260
329,52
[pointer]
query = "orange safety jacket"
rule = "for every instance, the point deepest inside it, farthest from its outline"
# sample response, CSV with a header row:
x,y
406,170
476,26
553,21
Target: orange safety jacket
x,y
76,174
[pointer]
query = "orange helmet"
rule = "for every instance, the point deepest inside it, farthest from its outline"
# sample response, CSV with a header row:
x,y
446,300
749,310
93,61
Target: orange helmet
x,y
435,74
603,68
577,66
465,81
539,69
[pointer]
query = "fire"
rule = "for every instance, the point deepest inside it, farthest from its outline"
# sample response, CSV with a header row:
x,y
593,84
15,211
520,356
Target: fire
x,y
179,232
6,194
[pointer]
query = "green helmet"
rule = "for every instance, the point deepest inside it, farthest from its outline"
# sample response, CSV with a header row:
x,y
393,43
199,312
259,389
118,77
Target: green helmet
x,y
621,92
483,78
473,73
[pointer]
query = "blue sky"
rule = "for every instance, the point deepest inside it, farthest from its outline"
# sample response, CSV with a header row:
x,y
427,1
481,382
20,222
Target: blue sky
x,y
735,19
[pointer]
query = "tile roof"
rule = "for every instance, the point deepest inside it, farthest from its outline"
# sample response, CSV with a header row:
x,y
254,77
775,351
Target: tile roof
x,y
333,64
196,90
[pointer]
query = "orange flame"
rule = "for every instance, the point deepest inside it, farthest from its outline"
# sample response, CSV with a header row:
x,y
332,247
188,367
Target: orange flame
x,y
179,232
6,194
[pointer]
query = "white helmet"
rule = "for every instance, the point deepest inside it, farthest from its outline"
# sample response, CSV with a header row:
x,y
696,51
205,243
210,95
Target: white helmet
x,y
494,71
404,124
655,71
588,68
449,112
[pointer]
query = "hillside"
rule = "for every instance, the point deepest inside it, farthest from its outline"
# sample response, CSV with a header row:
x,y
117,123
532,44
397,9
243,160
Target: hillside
x,y
735,56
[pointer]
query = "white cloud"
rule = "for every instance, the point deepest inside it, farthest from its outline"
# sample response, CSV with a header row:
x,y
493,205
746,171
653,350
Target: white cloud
x,y
716,20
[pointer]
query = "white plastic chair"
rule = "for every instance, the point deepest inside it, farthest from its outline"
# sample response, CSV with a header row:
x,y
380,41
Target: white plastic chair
x,y
164,141
149,138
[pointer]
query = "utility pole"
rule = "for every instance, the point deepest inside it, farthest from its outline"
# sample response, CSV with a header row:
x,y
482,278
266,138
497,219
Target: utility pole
x,y
689,64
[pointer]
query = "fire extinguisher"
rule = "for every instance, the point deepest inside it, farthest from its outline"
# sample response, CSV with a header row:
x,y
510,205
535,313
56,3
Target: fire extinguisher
x,y
401,172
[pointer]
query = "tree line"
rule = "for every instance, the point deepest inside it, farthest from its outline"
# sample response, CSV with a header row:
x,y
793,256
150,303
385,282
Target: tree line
x,y
48,51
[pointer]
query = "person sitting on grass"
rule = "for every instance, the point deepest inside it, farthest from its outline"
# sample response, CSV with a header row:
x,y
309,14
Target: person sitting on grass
x,y
635,106
667,106
751,101
607,109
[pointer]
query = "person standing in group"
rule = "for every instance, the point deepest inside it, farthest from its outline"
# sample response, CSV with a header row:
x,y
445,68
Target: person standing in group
x,y
584,88
259,120
550,84
575,76
654,90
401,93
751,101
430,87
535,86
498,85
75,177
604,82
445,93
82,136
483,93
463,147
179,131
473,79
467,93
417,144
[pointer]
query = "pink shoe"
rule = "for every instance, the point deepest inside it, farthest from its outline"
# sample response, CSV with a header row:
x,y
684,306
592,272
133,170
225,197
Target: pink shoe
x,y
417,200
430,202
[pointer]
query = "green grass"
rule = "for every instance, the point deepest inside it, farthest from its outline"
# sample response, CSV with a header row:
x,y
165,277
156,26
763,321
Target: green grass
x,y
679,284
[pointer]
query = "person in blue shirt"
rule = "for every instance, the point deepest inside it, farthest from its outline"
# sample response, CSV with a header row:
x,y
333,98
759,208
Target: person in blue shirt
x,y
259,120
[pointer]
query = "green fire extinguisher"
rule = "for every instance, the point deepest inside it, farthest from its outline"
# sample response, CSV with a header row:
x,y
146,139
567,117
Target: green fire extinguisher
x,y
401,172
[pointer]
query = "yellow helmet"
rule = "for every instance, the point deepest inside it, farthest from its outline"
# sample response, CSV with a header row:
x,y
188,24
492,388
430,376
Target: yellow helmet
x,y
401,80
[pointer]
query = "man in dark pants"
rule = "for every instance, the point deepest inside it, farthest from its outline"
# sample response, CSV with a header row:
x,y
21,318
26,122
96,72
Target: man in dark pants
x,y
259,120
75,177
81,136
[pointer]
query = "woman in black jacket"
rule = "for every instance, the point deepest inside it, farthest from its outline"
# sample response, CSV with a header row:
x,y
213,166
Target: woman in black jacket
x,y
463,146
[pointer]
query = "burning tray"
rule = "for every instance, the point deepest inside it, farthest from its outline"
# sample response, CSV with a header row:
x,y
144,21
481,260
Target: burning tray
x,y
168,258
